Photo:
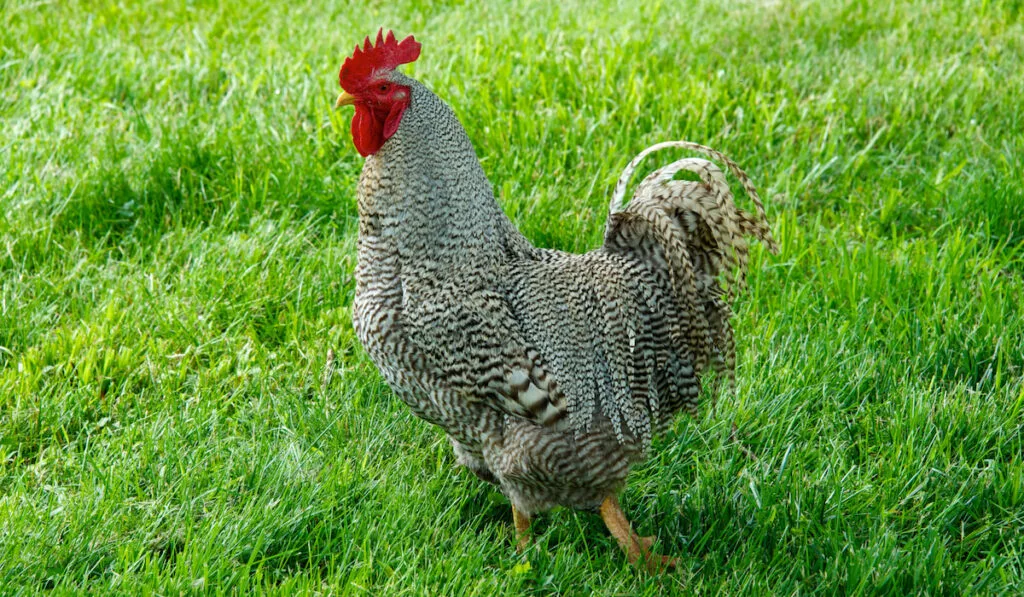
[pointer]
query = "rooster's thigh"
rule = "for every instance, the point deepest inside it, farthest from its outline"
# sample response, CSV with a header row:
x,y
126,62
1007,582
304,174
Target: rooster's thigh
x,y
540,467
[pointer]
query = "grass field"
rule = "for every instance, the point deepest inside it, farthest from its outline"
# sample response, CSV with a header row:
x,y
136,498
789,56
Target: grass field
x,y
177,226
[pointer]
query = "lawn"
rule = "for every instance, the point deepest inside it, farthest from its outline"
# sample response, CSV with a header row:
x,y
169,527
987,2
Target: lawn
x,y
184,406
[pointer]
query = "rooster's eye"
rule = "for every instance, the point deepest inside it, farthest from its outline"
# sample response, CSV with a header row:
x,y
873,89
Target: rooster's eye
x,y
383,88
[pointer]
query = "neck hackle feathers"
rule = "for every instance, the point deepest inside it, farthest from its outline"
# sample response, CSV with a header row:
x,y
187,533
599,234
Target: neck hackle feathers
x,y
383,56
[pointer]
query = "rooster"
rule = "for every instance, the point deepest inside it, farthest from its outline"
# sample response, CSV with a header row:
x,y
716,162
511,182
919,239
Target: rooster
x,y
550,372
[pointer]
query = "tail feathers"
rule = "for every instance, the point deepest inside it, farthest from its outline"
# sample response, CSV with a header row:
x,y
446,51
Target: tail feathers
x,y
706,210
693,232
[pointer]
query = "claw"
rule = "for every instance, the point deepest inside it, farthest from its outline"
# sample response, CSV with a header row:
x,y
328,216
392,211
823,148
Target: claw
x,y
637,548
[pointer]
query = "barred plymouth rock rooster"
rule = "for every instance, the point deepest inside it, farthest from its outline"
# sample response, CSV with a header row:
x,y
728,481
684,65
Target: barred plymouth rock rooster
x,y
550,372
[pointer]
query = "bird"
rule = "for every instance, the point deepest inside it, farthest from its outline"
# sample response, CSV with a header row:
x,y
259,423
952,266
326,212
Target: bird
x,y
550,372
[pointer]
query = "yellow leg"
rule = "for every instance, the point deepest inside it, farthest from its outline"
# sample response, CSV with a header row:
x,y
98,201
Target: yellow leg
x,y
522,522
638,549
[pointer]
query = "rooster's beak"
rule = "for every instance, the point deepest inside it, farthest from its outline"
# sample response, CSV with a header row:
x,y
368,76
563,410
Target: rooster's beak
x,y
344,100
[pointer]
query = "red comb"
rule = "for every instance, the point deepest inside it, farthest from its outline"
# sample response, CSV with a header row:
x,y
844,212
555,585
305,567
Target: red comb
x,y
385,55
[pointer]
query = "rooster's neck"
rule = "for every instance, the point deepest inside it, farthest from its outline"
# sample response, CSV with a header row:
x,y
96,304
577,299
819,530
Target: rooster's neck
x,y
425,198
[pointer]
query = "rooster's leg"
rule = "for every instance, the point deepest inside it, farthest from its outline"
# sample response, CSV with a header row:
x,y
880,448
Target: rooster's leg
x,y
522,529
637,548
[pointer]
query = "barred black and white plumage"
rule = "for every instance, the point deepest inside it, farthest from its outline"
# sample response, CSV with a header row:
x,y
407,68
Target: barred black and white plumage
x,y
551,372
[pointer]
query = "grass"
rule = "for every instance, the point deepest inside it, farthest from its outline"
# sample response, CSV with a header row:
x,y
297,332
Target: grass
x,y
177,228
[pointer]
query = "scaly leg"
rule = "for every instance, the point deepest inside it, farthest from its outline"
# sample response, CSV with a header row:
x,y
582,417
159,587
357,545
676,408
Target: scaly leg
x,y
636,547
522,522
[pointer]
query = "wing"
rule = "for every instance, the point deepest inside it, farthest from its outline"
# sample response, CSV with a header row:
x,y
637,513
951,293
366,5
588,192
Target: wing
x,y
601,322
471,343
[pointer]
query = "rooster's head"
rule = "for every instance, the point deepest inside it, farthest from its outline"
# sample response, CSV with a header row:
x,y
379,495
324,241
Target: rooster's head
x,y
367,81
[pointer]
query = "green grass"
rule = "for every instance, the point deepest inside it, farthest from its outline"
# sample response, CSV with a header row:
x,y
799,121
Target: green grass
x,y
177,224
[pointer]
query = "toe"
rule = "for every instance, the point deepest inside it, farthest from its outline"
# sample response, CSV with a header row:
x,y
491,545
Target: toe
x,y
658,563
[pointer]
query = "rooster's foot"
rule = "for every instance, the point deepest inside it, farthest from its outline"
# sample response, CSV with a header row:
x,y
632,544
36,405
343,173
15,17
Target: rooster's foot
x,y
637,548
522,522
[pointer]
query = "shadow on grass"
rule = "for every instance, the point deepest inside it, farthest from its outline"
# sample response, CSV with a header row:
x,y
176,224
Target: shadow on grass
x,y
181,186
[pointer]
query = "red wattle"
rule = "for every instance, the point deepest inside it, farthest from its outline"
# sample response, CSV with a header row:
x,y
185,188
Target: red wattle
x,y
367,132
